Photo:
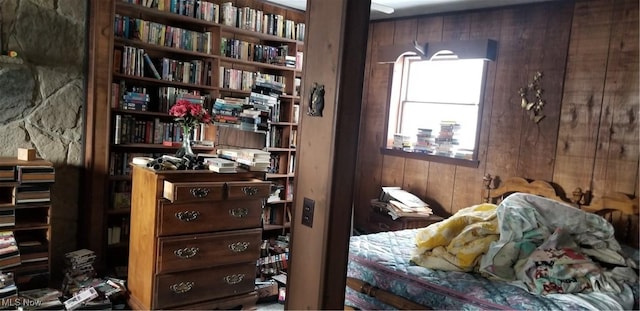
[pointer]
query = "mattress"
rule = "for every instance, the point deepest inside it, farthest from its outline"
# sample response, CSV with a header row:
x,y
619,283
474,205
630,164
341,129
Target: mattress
x,y
382,259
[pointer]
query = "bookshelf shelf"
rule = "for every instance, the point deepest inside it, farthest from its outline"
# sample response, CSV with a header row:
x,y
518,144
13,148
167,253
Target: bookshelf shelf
x,y
143,113
26,225
274,176
158,147
161,50
255,64
154,81
277,149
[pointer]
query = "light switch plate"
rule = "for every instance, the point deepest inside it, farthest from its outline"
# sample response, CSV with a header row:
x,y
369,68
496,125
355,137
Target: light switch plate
x,y
307,212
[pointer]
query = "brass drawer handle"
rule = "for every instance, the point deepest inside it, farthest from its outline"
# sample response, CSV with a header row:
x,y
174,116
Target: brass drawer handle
x,y
186,252
199,192
182,287
250,190
187,215
234,278
239,212
239,247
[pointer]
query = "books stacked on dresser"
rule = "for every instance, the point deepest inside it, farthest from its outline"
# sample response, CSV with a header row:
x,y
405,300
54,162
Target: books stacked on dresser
x,y
254,160
220,165
248,159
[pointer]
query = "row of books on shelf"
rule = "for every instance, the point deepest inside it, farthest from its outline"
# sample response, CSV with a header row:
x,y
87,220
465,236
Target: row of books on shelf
x,y
250,51
276,139
277,262
118,233
161,35
227,14
159,99
128,129
256,20
136,62
272,215
244,80
119,163
275,164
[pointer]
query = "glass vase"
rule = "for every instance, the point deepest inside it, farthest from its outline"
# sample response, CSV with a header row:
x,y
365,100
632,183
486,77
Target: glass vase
x,y
185,150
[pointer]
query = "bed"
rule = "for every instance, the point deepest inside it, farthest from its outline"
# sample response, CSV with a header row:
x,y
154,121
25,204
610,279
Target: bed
x,y
380,274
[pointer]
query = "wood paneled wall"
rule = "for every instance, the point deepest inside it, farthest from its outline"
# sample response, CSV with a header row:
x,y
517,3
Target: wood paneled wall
x,y
588,53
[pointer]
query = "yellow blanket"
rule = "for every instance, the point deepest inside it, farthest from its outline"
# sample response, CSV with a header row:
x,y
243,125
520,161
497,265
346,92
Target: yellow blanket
x,y
457,243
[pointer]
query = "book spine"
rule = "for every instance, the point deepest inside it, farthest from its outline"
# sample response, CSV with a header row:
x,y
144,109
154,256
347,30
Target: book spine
x,y
152,66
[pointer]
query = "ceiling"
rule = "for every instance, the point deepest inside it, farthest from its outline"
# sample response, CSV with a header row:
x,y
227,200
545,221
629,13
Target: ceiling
x,y
404,8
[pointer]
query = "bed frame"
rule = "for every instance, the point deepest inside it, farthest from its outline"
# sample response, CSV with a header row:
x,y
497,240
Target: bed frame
x,y
618,208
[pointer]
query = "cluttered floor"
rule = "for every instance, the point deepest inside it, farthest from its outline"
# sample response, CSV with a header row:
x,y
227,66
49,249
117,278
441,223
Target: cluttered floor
x,y
82,289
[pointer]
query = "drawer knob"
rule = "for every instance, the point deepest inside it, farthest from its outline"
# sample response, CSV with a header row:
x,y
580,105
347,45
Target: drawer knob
x,y
182,287
238,247
239,212
186,252
199,192
187,215
250,190
234,278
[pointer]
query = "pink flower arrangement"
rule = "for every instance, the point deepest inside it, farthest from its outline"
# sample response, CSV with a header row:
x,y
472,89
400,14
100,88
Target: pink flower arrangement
x,y
189,114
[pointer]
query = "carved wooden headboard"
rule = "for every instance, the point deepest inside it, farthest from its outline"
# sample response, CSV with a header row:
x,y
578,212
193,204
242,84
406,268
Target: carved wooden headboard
x,y
618,208
519,184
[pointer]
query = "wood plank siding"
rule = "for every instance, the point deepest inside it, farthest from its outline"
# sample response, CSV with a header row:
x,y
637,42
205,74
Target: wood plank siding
x,y
588,53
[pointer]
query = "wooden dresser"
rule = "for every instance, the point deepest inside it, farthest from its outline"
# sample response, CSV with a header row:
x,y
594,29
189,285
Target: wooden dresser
x,y
195,239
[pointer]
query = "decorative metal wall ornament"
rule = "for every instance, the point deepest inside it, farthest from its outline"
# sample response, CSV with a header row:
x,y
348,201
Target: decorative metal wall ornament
x,y
535,105
316,100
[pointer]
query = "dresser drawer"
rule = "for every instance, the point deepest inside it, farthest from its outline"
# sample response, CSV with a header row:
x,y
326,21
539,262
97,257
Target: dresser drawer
x,y
200,285
248,190
205,250
193,191
187,218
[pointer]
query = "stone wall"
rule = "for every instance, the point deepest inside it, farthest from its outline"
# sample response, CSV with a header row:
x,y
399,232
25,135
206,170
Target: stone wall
x,y
42,98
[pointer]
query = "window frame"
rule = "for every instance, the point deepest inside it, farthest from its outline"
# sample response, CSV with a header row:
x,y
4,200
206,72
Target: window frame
x,y
395,94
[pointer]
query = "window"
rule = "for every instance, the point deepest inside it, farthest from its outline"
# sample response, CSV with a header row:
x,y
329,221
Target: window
x,y
435,106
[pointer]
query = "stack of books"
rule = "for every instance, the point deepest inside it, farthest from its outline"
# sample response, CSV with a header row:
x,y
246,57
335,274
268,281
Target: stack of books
x,y
401,142
8,290
447,139
425,142
79,268
400,203
220,165
135,101
254,160
9,252
42,299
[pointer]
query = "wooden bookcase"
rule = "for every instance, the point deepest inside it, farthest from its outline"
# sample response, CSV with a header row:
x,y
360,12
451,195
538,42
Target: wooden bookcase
x,y
25,203
116,50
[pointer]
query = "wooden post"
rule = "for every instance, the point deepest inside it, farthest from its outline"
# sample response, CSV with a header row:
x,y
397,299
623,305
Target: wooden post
x,y
335,54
